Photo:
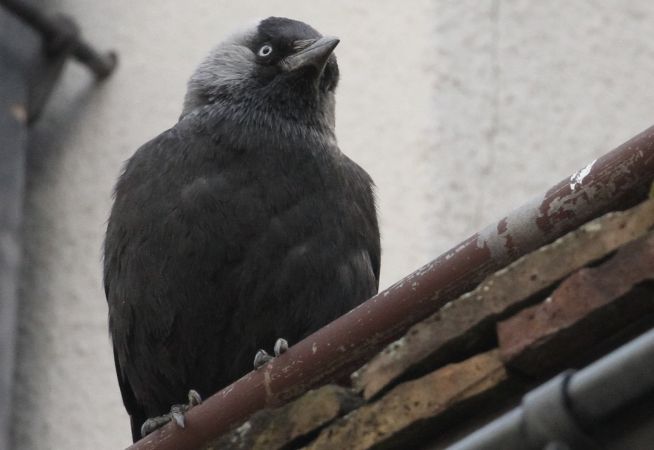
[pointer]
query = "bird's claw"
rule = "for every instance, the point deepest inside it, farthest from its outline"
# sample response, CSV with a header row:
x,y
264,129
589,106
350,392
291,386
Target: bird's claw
x,y
194,398
281,345
176,414
154,423
262,357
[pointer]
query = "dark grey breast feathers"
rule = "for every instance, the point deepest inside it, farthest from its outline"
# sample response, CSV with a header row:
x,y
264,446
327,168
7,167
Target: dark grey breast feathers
x,y
242,223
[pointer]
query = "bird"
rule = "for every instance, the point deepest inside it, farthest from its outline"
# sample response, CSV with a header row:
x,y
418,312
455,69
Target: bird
x,y
241,225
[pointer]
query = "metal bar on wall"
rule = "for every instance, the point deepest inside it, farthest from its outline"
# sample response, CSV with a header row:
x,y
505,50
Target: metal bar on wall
x,y
18,47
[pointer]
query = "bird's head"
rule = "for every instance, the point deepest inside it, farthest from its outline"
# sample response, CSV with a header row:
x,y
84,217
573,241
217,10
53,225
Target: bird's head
x,y
279,65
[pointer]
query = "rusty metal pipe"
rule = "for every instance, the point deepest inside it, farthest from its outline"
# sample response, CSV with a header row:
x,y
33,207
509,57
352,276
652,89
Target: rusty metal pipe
x,y
615,181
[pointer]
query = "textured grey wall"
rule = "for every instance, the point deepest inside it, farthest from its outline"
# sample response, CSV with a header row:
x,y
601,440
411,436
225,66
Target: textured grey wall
x,y
460,110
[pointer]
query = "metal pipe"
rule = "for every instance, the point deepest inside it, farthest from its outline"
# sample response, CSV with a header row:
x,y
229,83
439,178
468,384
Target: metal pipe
x,y
504,433
591,396
14,61
60,31
627,374
617,180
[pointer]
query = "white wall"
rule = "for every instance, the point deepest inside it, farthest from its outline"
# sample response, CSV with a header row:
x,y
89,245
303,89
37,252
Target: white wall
x,y
459,109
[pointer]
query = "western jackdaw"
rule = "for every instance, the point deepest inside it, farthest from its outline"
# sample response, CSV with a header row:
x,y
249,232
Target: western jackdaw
x,y
241,224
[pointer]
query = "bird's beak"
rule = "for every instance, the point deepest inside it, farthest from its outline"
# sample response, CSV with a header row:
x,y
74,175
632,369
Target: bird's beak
x,y
315,54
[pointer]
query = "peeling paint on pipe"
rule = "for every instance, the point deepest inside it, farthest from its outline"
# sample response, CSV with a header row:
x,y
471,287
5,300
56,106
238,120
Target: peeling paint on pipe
x,y
616,181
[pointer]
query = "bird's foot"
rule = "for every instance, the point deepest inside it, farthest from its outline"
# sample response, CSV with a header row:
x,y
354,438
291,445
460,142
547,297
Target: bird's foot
x,y
262,357
176,413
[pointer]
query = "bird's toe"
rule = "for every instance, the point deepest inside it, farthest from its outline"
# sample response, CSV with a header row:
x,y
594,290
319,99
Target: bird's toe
x,y
261,359
154,423
194,398
281,345
177,414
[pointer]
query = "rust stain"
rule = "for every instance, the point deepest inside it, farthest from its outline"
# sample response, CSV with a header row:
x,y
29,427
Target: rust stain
x,y
503,232
605,183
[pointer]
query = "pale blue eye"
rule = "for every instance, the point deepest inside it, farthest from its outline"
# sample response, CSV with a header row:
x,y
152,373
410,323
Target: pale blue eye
x,y
265,50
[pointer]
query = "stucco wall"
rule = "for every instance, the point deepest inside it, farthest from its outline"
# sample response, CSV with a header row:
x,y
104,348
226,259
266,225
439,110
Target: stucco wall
x,y
460,110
